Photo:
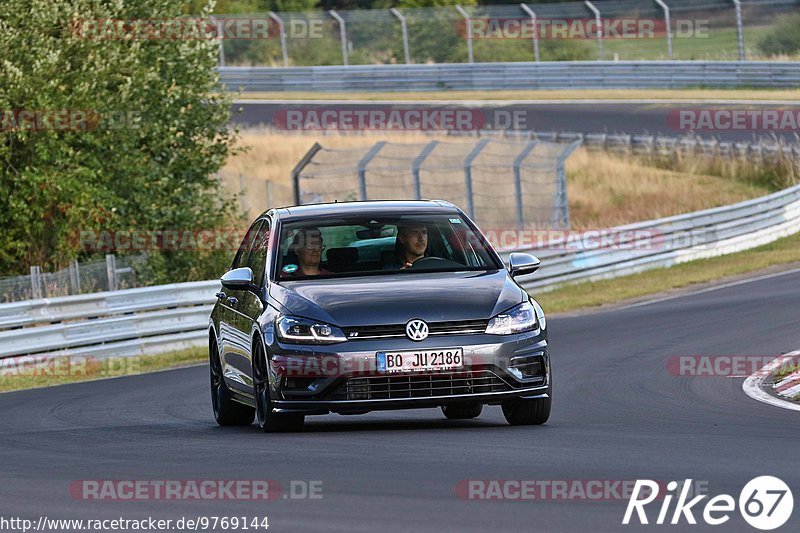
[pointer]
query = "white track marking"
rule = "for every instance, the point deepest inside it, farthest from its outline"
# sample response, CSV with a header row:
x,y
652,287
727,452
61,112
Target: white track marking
x,y
709,289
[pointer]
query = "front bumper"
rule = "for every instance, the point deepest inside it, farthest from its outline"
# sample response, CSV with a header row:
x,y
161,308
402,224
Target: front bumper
x,y
342,377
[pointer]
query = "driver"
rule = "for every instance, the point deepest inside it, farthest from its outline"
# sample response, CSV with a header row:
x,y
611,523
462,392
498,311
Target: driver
x,y
412,241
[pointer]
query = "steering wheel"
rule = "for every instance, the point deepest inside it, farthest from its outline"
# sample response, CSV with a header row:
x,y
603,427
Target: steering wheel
x,y
434,262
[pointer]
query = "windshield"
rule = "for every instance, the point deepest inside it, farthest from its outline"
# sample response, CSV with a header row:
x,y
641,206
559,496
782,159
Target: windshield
x,y
356,246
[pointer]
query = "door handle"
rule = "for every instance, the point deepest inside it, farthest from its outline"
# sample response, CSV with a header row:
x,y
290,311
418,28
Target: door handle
x,y
232,300
221,295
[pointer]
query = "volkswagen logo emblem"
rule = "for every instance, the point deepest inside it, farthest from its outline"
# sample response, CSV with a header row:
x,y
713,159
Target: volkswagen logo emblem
x,y
417,330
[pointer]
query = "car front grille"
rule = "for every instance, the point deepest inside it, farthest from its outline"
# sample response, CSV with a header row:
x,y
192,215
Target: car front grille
x,y
454,327
420,386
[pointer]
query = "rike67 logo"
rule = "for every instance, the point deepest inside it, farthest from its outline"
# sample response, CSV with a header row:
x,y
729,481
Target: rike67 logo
x,y
765,503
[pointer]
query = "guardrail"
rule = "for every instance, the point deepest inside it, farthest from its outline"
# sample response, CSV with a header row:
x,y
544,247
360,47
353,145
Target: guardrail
x,y
657,144
169,317
520,76
128,322
672,240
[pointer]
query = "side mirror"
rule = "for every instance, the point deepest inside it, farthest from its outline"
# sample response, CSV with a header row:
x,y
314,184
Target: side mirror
x,y
521,264
238,279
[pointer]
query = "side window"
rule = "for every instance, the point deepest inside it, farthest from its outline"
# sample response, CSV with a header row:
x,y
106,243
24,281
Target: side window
x,y
258,256
243,253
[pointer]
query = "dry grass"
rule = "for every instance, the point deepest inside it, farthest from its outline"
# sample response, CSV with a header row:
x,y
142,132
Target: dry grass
x,y
603,189
63,370
606,189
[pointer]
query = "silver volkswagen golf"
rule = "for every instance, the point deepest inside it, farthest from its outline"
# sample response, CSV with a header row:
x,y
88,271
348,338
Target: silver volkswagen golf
x,y
363,306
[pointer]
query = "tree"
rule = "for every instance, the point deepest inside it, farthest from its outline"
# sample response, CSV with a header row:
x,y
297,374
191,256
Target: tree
x,y
157,132
783,39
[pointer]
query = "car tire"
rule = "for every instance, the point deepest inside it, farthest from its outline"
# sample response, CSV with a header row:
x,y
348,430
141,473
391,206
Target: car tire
x,y
227,411
268,421
461,412
528,412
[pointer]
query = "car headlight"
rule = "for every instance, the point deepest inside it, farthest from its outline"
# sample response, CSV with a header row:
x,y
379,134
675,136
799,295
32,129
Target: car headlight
x,y
516,320
305,331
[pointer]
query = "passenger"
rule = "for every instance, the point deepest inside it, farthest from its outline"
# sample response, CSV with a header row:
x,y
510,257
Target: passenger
x,y
307,244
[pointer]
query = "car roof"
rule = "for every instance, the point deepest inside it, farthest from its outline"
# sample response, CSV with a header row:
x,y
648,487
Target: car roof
x,y
367,208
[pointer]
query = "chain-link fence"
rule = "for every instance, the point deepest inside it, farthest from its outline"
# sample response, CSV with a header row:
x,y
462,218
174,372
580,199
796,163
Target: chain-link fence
x,y
255,194
603,29
499,183
113,273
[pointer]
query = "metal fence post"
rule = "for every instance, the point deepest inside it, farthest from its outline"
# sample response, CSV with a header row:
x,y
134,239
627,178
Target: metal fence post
x,y
739,28
36,282
599,28
518,182
221,41
298,168
561,210
667,23
282,31
404,29
417,164
362,169
111,271
532,14
244,201
468,174
269,194
342,34
75,276
468,23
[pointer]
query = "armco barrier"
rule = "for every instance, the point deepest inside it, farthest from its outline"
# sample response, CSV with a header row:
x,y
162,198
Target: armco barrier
x,y
517,76
722,230
138,321
169,317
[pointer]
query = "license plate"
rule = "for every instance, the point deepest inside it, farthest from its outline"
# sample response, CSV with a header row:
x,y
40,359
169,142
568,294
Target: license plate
x,y
420,360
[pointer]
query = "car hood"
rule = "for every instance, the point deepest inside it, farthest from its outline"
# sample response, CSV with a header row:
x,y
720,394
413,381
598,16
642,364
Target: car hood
x,y
397,298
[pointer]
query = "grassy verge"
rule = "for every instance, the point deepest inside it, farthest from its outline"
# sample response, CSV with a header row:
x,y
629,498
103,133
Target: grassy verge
x,y
58,371
785,371
594,294
692,95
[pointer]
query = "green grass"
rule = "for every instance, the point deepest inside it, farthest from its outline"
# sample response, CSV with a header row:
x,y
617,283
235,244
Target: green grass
x,y
784,371
721,44
593,294
77,368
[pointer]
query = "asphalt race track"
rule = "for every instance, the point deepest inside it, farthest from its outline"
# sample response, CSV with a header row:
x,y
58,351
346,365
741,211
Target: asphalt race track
x,y
633,117
618,415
